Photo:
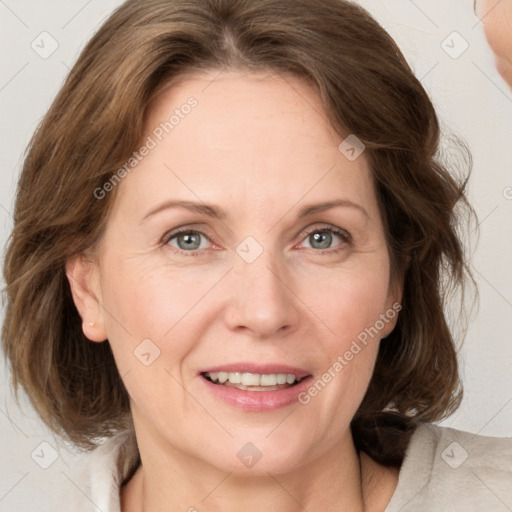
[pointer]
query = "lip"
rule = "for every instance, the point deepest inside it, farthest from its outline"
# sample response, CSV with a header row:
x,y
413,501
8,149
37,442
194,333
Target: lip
x,y
257,401
246,367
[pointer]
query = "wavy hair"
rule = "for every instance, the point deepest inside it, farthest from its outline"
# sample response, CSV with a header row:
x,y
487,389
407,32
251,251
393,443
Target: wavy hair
x,y
97,121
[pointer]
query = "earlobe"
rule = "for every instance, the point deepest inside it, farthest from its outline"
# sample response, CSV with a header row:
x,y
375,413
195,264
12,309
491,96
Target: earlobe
x,y
82,278
388,320
393,307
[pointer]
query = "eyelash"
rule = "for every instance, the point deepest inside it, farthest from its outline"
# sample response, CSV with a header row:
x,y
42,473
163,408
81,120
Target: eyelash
x,y
344,236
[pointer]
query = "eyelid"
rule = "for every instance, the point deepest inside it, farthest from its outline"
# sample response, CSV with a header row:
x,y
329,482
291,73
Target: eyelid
x,y
169,235
185,229
304,233
342,233
325,227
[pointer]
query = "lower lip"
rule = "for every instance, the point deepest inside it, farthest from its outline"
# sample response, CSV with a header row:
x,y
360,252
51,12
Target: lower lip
x,y
258,401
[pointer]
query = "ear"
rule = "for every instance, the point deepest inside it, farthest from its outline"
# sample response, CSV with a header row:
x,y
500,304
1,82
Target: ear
x,y
82,274
393,306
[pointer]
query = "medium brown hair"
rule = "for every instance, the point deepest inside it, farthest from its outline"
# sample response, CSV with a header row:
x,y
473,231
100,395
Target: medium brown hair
x,y
97,121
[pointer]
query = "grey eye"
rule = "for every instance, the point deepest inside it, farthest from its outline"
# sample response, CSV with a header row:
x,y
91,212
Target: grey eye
x,y
320,240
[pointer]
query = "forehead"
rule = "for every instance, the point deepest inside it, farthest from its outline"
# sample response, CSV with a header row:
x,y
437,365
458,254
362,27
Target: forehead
x,y
233,103
259,137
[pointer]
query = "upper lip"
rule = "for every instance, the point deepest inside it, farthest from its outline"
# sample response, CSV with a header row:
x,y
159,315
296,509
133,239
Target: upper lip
x,y
244,367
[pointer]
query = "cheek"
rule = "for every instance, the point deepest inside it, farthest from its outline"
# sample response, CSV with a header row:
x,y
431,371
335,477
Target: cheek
x,y
149,328
351,298
360,312
148,296
353,309
149,302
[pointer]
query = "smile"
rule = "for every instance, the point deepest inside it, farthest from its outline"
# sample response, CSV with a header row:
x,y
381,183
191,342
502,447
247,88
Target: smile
x,y
255,387
253,381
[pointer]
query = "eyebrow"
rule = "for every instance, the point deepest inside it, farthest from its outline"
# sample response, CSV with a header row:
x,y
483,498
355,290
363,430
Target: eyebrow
x,y
218,213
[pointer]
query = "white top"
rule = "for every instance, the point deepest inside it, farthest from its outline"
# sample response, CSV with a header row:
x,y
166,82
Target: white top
x,y
444,469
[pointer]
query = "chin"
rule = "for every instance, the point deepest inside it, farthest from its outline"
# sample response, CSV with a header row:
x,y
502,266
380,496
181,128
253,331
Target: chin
x,y
259,457
274,463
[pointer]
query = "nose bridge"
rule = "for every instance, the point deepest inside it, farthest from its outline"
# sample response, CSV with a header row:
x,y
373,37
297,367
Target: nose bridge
x,y
260,298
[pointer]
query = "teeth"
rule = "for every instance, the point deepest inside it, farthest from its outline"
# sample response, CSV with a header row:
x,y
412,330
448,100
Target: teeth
x,y
268,380
253,379
235,378
250,379
290,379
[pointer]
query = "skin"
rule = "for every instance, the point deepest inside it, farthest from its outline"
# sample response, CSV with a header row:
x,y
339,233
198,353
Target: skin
x,y
496,16
259,147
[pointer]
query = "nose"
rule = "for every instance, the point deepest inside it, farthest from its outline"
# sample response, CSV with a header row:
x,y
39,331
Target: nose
x,y
262,301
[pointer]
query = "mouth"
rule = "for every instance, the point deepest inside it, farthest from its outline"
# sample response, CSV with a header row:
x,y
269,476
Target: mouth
x,y
252,387
247,381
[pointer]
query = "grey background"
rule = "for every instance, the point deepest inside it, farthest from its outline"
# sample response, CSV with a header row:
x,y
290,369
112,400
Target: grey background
x,y
472,101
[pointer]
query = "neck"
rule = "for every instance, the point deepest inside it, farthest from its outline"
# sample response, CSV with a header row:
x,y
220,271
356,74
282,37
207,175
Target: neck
x,y
169,480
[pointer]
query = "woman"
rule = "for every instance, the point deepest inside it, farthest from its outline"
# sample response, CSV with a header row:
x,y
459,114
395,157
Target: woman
x,y
233,240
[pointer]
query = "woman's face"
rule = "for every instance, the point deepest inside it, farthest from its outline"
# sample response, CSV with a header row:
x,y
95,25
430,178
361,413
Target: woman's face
x,y
282,268
496,16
